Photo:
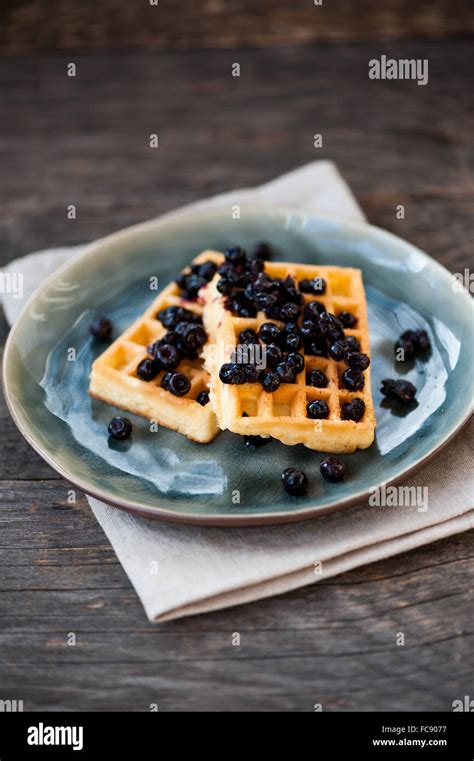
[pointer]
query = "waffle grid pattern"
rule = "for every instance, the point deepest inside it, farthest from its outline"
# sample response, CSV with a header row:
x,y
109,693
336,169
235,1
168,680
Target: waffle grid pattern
x,y
282,414
114,378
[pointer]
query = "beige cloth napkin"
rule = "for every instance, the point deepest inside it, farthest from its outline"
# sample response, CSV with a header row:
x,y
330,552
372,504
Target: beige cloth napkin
x,y
183,570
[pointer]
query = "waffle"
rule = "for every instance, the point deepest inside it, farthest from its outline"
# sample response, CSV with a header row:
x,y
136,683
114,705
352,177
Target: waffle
x,y
114,379
247,409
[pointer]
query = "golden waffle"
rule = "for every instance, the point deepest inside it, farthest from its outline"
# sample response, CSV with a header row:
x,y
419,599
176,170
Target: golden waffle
x,y
114,379
248,409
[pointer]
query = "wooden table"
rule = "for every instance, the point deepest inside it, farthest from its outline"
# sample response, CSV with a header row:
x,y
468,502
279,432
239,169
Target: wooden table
x,y
84,141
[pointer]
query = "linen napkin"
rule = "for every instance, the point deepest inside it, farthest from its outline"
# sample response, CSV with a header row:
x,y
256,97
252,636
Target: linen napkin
x,y
181,570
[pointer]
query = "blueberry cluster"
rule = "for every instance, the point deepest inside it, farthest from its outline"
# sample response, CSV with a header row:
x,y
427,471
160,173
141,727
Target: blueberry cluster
x,y
249,290
412,343
184,338
402,390
295,482
191,280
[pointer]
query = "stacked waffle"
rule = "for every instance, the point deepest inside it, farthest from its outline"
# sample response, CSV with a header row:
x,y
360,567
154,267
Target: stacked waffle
x,y
287,355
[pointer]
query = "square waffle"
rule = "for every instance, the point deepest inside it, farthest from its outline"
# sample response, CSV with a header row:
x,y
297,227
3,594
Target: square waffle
x,y
114,379
249,410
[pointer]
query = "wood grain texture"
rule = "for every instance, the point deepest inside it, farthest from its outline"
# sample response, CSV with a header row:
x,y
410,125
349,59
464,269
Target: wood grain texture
x,y
29,26
85,141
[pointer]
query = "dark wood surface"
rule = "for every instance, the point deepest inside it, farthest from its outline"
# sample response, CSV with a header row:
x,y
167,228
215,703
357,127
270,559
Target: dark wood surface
x,y
85,141
26,25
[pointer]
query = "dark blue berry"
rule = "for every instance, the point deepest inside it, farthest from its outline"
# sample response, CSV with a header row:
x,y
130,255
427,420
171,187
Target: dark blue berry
x,y
286,372
316,378
294,482
273,355
297,360
317,410
356,361
289,312
177,383
167,356
353,410
232,373
224,286
251,373
314,310
271,382
235,256
255,442
171,316
332,469
269,332
148,369
317,347
290,341
347,319
120,428
402,390
317,286
337,351
263,251
350,343
353,380
248,337
101,328
203,398
207,270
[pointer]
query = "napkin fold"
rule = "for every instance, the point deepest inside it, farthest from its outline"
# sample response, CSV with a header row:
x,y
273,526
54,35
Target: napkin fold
x,y
180,570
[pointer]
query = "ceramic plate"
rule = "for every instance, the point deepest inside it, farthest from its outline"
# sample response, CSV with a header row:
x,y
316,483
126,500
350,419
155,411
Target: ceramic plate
x,y
162,474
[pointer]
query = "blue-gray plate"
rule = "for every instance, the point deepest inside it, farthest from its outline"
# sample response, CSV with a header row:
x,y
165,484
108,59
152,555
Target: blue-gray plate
x,y
162,474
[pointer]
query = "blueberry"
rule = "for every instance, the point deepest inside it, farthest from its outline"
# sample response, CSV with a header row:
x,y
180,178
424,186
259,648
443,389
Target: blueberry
x,y
313,310
177,383
255,442
170,338
224,286
402,390
353,380
241,306
331,325
317,347
192,336
171,316
207,270
192,285
294,482
347,319
317,410
286,372
289,312
251,373
203,398
271,382
422,341
226,269
167,356
232,373
332,469
235,256
101,328
337,350
297,360
120,428
356,361
269,332
350,343
265,301
255,266
273,355
404,350
353,410
181,281
290,341
248,337
310,329
148,369
317,286
316,378
263,251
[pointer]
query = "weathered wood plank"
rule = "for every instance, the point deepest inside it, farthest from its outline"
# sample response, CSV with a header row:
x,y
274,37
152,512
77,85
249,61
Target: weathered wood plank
x,y
158,25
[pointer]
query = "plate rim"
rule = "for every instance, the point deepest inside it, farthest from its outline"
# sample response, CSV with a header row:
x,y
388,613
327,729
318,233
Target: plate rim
x,y
205,519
